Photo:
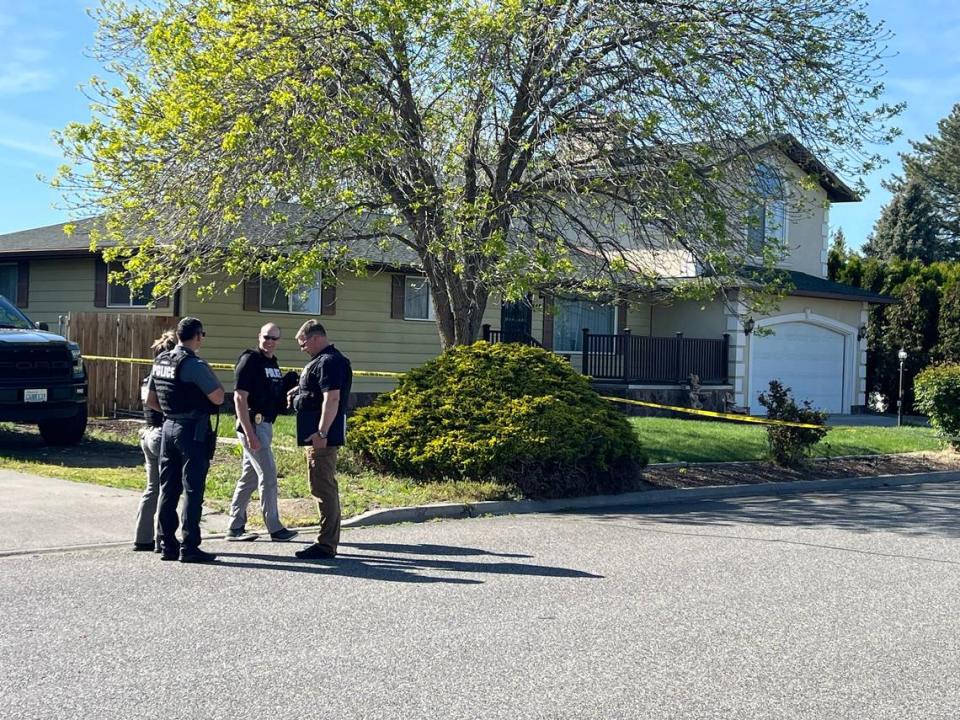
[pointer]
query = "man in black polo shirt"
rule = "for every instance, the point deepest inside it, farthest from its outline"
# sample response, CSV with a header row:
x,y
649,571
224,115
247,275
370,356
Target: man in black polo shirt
x,y
258,396
321,404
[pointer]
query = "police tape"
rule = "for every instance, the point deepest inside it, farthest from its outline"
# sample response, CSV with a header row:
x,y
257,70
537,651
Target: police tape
x,y
228,366
378,373
713,413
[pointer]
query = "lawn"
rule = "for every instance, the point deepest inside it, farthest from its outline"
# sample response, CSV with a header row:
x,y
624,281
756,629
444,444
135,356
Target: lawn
x,y
110,455
677,440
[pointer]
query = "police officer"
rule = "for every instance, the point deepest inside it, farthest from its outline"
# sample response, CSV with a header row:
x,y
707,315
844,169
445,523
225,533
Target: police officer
x,y
321,403
186,391
259,395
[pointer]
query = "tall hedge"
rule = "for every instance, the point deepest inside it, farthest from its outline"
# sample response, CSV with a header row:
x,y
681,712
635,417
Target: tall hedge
x,y
504,412
938,396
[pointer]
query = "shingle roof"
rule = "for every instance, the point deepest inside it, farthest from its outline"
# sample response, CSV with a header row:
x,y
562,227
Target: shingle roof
x,y
806,285
48,239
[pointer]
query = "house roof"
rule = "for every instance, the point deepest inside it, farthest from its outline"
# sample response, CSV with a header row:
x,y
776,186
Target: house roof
x,y
48,240
837,190
805,285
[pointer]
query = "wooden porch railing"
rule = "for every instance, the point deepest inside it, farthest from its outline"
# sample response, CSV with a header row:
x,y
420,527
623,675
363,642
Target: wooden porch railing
x,y
655,360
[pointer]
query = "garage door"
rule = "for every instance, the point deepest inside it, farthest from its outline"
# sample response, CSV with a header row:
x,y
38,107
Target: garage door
x,y
807,358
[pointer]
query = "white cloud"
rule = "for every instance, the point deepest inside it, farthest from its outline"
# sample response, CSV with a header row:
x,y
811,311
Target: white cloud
x,y
17,133
17,78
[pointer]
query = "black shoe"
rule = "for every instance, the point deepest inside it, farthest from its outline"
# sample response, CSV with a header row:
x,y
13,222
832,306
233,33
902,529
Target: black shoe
x,y
197,556
158,549
143,547
164,555
283,534
315,552
240,535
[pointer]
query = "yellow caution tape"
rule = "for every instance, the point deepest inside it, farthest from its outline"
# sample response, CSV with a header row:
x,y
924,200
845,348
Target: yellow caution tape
x,y
378,373
228,366
713,413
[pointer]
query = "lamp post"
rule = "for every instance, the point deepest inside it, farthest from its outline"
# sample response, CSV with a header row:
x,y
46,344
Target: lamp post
x,y
901,355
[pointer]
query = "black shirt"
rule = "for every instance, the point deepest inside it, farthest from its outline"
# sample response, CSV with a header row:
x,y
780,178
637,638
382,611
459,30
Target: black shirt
x,y
328,370
261,378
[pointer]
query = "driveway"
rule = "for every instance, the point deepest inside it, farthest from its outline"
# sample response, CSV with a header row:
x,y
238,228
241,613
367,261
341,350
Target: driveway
x,y
39,512
813,607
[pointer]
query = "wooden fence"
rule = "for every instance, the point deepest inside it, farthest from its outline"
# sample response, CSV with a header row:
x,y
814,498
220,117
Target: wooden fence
x,y
113,386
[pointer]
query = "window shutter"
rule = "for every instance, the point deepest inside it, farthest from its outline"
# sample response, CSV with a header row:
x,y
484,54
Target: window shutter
x,y
251,294
99,282
547,323
23,283
398,287
328,300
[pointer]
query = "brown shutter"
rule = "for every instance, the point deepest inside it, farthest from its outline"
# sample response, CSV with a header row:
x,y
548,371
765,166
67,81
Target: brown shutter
x,y
99,282
251,294
547,322
621,316
23,283
398,288
328,300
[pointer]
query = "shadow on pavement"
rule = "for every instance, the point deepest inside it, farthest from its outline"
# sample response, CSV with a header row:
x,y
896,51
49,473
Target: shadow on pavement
x,y
397,568
425,549
917,511
89,453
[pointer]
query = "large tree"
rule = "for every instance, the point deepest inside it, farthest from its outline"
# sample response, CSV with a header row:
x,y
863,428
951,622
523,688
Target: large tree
x,y
935,162
505,145
907,227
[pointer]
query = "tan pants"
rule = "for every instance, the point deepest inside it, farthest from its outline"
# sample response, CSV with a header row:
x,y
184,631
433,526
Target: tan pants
x,y
321,468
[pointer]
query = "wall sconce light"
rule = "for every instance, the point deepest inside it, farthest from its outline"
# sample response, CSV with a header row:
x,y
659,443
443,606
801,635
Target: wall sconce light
x,y
748,326
861,332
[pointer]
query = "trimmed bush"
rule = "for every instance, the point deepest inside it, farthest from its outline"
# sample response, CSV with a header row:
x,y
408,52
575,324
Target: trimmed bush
x,y
938,396
790,446
504,412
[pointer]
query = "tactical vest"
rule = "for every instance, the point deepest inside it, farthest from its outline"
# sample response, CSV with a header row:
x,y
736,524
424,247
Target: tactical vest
x,y
150,416
177,398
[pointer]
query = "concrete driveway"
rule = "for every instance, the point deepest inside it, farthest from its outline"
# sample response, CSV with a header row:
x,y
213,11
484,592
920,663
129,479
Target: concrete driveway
x,y
38,513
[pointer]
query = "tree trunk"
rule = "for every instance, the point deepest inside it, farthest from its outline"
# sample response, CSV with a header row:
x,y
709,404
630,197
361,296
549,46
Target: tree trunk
x,y
459,305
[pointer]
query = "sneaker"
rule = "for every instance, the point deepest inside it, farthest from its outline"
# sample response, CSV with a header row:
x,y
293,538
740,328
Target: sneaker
x,y
241,535
283,534
197,556
143,547
315,552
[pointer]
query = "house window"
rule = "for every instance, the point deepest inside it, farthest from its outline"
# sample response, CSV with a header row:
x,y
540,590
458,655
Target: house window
x,y
767,218
570,317
121,296
8,282
417,302
304,300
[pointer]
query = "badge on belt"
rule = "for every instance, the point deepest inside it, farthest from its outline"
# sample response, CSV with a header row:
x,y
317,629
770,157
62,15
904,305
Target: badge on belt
x,y
257,418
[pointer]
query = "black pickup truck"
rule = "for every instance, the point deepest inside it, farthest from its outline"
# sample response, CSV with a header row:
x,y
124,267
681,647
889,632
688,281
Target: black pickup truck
x,y
42,378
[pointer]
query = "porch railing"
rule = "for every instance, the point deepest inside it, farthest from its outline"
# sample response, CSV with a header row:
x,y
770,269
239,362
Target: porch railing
x,y
495,336
655,360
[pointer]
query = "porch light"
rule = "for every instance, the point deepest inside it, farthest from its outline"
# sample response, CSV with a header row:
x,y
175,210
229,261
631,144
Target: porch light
x,y
861,332
748,326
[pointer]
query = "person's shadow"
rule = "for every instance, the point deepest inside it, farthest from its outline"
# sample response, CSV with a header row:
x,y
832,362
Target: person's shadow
x,y
404,563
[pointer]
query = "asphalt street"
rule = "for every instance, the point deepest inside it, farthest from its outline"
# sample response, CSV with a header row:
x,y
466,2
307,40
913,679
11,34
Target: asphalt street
x,y
841,605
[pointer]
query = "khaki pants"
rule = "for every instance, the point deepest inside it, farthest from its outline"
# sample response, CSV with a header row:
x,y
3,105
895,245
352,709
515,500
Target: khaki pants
x,y
321,468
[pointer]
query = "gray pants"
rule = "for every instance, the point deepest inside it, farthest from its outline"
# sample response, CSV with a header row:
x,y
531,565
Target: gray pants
x,y
259,471
146,515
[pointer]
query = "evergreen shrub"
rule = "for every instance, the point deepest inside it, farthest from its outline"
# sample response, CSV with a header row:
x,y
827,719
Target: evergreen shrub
x,y
937,391
789,446
504,412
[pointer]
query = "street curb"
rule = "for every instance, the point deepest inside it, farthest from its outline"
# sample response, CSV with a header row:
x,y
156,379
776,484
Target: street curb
x,y
646,498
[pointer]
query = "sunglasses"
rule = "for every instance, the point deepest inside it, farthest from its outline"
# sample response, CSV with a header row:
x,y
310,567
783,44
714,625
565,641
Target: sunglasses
x,y
274,338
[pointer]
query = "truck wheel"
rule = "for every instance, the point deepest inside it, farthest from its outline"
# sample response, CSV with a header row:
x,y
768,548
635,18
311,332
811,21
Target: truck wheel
x,y
66,431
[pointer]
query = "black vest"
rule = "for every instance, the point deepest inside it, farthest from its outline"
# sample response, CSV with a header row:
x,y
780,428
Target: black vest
x,y
150,416
177,398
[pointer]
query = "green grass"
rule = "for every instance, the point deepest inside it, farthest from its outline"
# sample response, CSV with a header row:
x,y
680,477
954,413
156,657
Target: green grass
x,y
676,440
112,457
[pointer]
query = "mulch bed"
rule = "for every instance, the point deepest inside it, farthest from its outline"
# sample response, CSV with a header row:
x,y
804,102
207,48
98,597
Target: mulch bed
x,y
748,473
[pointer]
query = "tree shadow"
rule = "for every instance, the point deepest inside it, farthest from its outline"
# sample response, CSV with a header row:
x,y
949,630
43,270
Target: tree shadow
x,y
28,446
915,511
400,568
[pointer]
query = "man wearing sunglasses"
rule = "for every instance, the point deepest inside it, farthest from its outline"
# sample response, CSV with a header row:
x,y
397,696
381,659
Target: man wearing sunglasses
x,y
258,395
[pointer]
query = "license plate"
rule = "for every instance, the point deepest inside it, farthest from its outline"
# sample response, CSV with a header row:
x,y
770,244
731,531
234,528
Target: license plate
x,y
35,395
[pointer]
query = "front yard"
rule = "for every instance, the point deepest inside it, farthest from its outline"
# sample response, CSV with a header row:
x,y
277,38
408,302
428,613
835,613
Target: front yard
x,y
111,456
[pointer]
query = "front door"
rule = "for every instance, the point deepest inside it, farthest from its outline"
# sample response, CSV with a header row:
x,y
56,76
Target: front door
x,y
516,321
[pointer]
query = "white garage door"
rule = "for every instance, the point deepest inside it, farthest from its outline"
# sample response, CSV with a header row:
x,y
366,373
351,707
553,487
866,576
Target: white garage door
x,y
807,358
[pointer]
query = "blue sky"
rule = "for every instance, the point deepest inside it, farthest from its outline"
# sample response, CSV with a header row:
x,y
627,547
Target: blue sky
x,y
43,60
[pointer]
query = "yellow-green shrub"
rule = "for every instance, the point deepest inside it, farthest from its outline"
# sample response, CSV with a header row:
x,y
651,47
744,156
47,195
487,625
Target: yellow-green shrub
x,y
502,412
937,392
